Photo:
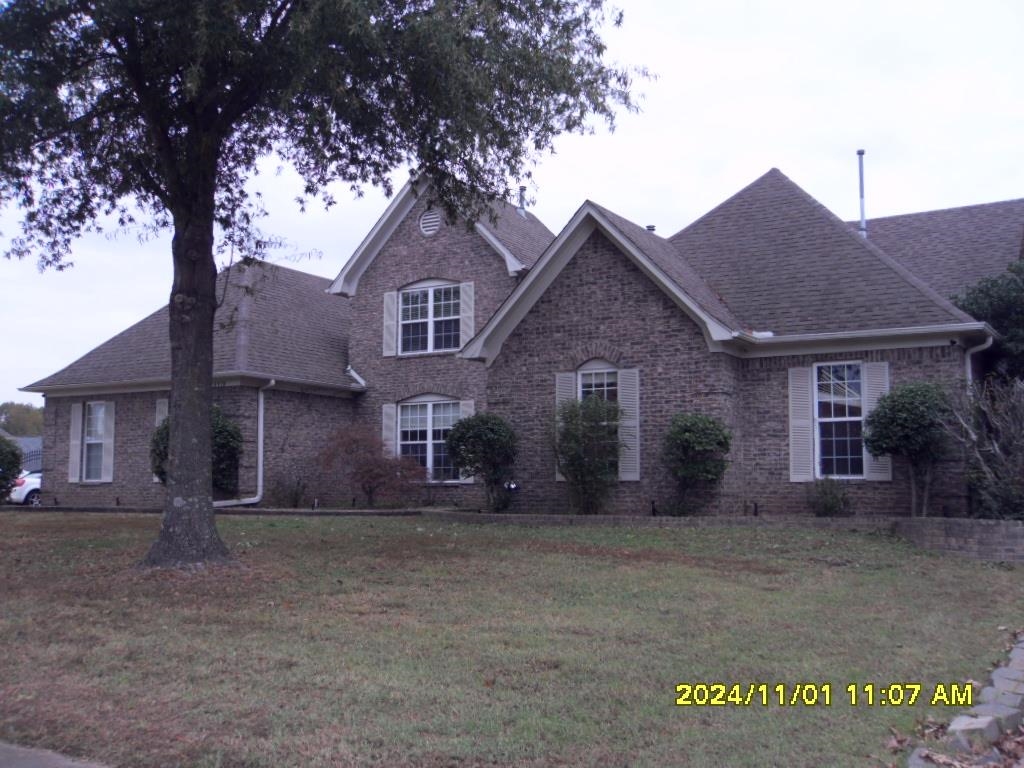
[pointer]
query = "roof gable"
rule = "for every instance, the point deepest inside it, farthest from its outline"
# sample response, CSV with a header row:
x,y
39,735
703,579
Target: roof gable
x,y
652,254
952,249
517,236
784,264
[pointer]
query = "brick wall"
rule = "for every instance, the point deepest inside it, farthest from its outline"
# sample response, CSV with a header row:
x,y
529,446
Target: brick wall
x,y
135,417
296,428
995,540
601,305
454,253
764,451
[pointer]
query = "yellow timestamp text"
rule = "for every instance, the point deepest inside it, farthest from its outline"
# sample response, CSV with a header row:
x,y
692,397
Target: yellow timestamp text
x,y
823,694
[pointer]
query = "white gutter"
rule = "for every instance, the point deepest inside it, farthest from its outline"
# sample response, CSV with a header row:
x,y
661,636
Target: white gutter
x,y
259,455
766,338
970,354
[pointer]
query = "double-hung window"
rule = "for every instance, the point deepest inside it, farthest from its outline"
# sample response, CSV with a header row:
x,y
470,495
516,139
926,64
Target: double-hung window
x,y
839,416
91,442
828,403
423,426
430,319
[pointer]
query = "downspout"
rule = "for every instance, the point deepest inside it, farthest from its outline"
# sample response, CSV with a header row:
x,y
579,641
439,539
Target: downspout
x,y
259,455
970,354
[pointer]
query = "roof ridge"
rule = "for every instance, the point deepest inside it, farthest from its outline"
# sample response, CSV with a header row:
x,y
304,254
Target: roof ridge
x,y
770,172
915,282
1018,200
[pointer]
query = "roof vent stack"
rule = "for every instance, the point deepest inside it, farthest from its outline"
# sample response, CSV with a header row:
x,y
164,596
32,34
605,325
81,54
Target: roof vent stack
x,y
863,220
522,201
650,227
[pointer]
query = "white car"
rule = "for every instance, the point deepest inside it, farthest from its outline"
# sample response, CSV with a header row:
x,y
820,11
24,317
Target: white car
x,y
26,489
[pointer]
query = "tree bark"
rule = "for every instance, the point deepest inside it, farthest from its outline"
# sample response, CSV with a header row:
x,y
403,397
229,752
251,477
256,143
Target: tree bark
x,y
913,490
188,532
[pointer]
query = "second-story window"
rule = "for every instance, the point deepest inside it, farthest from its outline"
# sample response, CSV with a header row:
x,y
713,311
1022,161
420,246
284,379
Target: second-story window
x,y
429,319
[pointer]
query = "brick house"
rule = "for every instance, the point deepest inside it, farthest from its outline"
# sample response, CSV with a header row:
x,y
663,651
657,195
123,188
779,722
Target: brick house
x,y
768,312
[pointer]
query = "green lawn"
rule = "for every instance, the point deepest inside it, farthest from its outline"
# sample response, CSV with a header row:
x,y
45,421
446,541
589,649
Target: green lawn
x,y
404,642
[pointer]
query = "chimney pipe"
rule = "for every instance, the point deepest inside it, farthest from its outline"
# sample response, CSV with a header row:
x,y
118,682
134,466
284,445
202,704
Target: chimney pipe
x,y
863,219
522,201
650,227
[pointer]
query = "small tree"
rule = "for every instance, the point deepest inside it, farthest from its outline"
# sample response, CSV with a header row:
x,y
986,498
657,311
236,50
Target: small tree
x,y
908,422
484,446
358,455
10,466
694,452
1000,302
989,423
587,451
227,448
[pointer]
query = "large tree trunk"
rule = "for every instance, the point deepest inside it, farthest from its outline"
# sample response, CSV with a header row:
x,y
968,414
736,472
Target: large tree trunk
x,y
188,533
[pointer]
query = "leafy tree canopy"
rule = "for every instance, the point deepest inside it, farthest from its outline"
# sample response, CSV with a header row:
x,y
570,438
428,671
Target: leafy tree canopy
x,y
999,301
161,109
21,419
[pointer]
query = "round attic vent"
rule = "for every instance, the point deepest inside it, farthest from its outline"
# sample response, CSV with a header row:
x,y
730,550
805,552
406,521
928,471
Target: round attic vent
x,y
430,222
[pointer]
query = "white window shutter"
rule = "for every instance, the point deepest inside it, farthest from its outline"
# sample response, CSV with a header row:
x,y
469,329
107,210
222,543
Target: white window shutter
x,y
629,424
390,323
161,411
565,389
389,428
75,445
107,470
467,321
161,414
801,425
466,409
876,384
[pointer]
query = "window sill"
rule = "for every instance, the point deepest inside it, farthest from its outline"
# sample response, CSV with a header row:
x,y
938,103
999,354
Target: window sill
x,y
450,352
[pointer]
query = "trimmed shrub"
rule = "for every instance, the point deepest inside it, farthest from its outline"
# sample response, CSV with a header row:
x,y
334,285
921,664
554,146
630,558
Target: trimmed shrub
x,y
828,498
587,451
908,422
694,452
10,466
227,448
484,446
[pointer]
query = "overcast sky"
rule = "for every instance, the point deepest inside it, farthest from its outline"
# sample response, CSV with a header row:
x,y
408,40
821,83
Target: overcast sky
x,y
933,91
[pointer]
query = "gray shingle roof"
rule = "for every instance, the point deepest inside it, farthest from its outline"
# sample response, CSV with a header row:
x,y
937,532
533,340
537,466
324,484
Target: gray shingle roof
x,y
782,262
283,326
953,248
524,235
665,256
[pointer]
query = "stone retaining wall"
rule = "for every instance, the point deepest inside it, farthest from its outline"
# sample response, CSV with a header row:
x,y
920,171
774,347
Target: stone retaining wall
x,y
996,540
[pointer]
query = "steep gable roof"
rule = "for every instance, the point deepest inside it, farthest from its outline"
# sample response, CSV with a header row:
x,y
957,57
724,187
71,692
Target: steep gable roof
x,y
952,249
649,252
517,236
274,323
785,264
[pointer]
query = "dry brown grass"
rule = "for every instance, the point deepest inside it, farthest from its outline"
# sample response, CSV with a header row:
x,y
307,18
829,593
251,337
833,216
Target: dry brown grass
x,y
344,642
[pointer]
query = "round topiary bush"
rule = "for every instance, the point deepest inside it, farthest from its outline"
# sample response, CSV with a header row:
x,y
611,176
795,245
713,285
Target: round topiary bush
x,y
694,452
484,446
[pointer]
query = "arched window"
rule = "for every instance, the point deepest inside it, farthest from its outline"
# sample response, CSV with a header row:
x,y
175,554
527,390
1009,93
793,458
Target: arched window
x,y
600,378
417,428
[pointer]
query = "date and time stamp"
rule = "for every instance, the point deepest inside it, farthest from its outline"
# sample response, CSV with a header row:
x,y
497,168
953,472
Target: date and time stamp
x,y
823,694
